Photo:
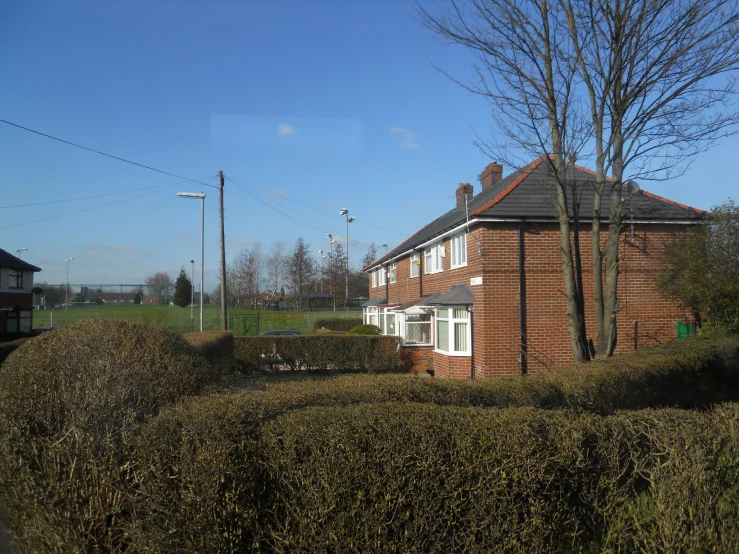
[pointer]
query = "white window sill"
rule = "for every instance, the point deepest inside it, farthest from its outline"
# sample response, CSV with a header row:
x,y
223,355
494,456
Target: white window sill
x,y
434,272
458,266
453,354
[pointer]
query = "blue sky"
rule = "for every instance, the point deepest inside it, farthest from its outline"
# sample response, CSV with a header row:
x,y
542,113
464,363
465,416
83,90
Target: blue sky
x,y
308,106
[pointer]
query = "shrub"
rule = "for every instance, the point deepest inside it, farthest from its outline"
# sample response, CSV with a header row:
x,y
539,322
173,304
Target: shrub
x,y
337,323
71,403
215,346
7,347
320,352
364,330
261,471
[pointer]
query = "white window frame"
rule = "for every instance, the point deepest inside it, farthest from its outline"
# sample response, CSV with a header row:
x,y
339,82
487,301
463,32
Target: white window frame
x,y
370,313
415,265
428,323
435,253
392,273
459,250
381,276
455,316
374,278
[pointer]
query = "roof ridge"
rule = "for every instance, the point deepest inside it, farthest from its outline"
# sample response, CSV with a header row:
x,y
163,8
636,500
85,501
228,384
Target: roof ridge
x,y
525,172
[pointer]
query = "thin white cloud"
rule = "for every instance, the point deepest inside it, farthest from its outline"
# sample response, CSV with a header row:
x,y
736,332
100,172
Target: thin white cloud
x,y
408,140
286,129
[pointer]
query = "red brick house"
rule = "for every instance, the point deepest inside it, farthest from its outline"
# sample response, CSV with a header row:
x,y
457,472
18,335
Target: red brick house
x,y
475,293
16,296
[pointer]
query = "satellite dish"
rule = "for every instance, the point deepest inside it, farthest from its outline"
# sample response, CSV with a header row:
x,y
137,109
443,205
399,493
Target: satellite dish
x,y
633,187
37,290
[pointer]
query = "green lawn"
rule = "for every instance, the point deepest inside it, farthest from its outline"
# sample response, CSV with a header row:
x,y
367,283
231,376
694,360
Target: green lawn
x,y
178,319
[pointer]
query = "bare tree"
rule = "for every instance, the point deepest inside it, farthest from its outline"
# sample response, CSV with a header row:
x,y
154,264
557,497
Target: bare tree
x,y
274,263
335,269
634,86
301,270
161,286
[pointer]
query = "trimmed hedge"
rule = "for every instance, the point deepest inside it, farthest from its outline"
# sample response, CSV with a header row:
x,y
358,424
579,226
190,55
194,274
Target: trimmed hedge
x,y
337,323
364,330
7,347
255,474
71,404
320,352
215,346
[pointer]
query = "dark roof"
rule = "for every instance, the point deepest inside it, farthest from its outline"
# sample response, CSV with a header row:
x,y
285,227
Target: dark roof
x,y
374,302
457,295
8,260
529,194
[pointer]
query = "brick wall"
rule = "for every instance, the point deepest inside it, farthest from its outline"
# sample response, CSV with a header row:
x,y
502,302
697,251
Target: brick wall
x,y
492,253
417,359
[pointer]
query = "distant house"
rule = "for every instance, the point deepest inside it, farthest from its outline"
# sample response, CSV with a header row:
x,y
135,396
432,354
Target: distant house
x,y
116,297
16,296
477,291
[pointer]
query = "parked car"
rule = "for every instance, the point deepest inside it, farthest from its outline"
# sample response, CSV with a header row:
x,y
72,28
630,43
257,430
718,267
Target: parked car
x,y
273,332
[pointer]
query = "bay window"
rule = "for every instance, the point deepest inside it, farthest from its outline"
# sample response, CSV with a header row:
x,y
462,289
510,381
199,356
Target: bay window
x,y
453,330
418,329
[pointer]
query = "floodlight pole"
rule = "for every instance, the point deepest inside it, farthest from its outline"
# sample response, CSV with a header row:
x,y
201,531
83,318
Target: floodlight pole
x,y
349,219
200,195
19,250
66,289
192,296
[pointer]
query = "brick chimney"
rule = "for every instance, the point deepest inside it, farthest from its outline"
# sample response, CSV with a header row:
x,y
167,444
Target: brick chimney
x,y
464,189
491,175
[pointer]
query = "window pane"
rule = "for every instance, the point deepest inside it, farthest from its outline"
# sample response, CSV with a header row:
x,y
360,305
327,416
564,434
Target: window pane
x,y
442,312
442,335
372,319
25,322
461,313
390,324
460,337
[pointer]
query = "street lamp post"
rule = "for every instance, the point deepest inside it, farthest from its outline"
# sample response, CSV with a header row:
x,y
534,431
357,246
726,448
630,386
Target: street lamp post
x,y
202,243
322,258
192,295
349,219
19,250
385,245
66,289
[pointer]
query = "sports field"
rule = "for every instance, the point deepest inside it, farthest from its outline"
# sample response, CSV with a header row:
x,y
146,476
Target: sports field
x,y
178,319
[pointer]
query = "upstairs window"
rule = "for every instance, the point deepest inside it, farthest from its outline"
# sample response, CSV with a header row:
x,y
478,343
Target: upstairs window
x,y
415,265
16,279
459,250
433,257
381,276
374,279
392,273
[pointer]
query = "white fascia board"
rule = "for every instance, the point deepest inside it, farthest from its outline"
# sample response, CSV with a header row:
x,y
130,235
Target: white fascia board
x,y
418,248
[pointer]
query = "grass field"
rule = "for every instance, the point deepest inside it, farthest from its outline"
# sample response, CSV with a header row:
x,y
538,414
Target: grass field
x,y
178,319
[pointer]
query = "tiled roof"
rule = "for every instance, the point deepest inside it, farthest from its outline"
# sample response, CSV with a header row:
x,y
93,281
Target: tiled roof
x,y
530,194
8,260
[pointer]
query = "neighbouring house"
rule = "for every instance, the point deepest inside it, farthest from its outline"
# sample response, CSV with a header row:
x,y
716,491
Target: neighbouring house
x,y
477,292
16,296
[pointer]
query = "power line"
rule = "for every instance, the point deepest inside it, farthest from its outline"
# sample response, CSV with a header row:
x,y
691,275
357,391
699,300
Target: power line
x,y
107,230
320,209
83,210
93,196
103,153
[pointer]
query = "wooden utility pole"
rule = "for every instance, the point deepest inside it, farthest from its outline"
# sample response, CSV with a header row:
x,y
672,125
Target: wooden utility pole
x,y
224,307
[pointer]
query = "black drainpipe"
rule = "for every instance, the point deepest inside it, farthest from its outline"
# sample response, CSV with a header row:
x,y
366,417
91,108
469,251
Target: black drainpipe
x,y
387,284
522,299
472,342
